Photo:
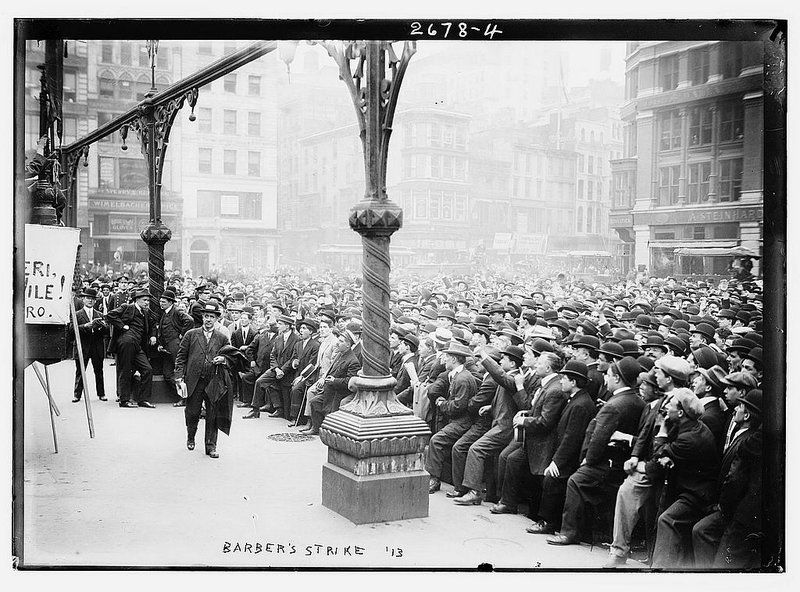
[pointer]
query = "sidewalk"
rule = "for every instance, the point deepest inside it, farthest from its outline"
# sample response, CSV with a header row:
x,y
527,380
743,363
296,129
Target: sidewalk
x,y
134,495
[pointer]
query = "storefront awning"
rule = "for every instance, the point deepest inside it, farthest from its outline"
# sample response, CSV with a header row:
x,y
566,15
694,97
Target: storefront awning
x,y
735,251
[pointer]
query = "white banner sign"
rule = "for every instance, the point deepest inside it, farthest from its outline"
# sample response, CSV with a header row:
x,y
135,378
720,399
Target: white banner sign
x,y
50,253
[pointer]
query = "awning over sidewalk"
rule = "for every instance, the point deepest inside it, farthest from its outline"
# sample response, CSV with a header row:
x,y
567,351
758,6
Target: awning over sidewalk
x,y
736,251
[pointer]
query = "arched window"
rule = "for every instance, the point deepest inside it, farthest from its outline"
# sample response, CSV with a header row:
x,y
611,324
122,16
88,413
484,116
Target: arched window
x,y
589,219
162,82
125,87
580,219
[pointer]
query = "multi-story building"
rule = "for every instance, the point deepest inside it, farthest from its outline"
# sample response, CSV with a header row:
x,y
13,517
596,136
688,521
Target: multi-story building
x,y
229,165
118,205
691,169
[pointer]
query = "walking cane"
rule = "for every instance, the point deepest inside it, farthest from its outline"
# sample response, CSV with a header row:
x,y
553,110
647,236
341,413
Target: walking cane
x,y
300,411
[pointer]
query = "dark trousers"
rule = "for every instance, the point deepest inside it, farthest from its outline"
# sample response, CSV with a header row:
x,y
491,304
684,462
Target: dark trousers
x,y
501,465
248,386
441,445
194,404
551,504
168,368
706,536
279,393
673,534
492,442
131,358
519,484
97,366
298,391
461,449
260,393
588,487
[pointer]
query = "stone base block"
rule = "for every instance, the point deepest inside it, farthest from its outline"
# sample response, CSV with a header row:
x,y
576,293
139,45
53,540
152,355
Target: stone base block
x,y
375,498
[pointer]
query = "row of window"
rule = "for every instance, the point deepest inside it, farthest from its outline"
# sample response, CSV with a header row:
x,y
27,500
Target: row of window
x,y
434,166
125,88
129,174
230,84
701,125
697,232
698,67
230,122
218,204
587,165
592,221
590,193
229,164
434,134
729,184
437,205
126,51
534,165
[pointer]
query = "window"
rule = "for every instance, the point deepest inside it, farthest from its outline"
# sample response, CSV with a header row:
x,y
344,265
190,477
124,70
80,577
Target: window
x,y
254,86
106,86
527,187
407,172
107,52
591,165
420,201
144,59
632,84
668,184
589,213
447,205
106,173
250,206
631,140
254,164
435,205
204,160
668,72
229,122
599,190
580,163
700,120
670,130
447,167
699,66
460,138
731,121
590,191
205,48
132,173
436,134
102,119
204,120
460,208
725,230
70,87
580,220
125,53
125,86
698,182
207,204
229,206
730,179
580,188
731,58
448,135
229,162
253,123
436,166
229,83
699,233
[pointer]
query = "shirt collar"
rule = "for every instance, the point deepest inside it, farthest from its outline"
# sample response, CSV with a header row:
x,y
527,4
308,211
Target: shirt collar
x,y
546,380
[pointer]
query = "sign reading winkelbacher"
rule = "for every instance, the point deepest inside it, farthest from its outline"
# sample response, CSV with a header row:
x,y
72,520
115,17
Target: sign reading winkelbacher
x,y
50,253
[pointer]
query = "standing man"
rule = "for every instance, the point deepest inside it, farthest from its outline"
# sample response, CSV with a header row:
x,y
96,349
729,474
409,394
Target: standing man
x,y
131,331
169,331
197,357
92,329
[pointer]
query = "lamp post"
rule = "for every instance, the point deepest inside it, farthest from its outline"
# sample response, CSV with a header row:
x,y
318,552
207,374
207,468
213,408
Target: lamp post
x,y
375,470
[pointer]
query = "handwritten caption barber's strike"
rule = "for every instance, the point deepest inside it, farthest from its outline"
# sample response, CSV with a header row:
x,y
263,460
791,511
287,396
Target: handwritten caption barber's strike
x,y
313,550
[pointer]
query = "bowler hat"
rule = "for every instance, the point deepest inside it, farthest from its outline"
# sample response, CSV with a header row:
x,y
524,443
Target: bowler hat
x,y
628,369
140,293
412,340
515,353
705,357
88,293
612,350
539,346
705,330
630,347
312,324
589,342
655,341
541,332
752,400
646,362
677,344
755,354
575,369
446,313
168,294
643,321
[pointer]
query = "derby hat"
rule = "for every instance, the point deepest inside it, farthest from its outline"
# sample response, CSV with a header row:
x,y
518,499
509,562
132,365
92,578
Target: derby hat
x,y
140,293
752,400
539,346
705,330
678,344
309,322
630,347
755,354
515,353
575,369
589,342
646,362
447,314
612,350
168,294
412,340
628,369
655,341
704,356
88,293
442,336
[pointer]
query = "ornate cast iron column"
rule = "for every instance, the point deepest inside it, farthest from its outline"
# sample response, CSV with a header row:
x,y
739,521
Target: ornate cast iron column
x,y
375,468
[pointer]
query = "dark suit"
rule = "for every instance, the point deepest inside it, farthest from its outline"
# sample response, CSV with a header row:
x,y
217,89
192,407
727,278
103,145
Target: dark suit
x,y
730,536
344,367
129,346
716,419
170,329
570,431
259,351
403,389
461,389
525,466
690,490
597,480
92,336
240,342
278,390
305,352
194,365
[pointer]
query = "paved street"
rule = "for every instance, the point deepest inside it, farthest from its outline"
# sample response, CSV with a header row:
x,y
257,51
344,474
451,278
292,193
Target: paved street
x,y
134,495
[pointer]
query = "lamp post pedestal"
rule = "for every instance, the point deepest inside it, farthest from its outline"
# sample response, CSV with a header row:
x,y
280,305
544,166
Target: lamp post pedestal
x,y
375,470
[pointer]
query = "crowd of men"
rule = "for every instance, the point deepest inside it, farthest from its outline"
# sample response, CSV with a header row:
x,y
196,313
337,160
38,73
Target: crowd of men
x,y
629,411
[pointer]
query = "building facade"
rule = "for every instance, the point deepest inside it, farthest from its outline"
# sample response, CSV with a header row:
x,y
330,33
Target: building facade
x,y
229,165
691,169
